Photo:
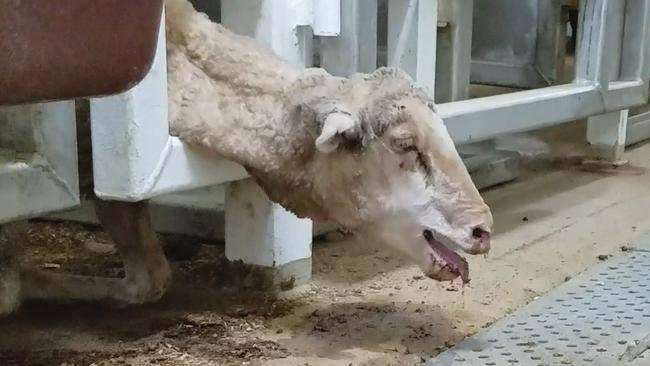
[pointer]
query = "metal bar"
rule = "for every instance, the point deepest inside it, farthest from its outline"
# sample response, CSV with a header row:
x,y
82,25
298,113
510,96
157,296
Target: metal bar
x,y
182,168
273,238
606,132
505,74
29,189
505,43
425,72
278,24
35,183
625,94
551,41
591,26
612,43
355,49
327,18
419,56
638,128
636,63
404,33
134,156
453,54
484,118
595,91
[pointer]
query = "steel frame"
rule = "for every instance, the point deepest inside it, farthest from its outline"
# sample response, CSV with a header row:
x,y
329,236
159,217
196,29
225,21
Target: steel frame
x,y
638,126
38,172
134,156
519,43
453,53
602,83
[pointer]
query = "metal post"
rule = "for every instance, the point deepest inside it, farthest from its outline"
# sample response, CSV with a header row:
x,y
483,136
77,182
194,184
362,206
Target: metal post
x,y
262,233
589,95
134,156
598,60
327,17
412,40
38,160
258,231
638,126
607,135
277,24
454,50
355,49
636,67
551,40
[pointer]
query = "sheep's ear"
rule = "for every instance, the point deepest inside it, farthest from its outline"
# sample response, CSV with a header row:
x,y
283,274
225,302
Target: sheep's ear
x,y
335,128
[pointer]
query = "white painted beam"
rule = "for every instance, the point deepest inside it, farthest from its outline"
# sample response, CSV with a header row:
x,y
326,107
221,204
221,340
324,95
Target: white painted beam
x,y
606,133
638,128
258,231
45,178
454,46
264,234
327,17
355,49
412,28
283,26
601,44
134,156
601,86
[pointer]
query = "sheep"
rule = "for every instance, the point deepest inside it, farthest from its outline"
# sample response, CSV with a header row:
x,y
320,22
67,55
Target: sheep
x,y
368,152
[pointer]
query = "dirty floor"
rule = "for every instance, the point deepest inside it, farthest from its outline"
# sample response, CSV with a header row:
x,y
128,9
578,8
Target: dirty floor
x,y
364,306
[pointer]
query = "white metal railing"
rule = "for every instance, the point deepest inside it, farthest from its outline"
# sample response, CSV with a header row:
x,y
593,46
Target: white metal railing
x,y
38,173
134,156
611,74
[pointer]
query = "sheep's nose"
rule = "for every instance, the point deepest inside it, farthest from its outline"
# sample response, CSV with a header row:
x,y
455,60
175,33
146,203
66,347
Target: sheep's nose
x,y
480,233
481,239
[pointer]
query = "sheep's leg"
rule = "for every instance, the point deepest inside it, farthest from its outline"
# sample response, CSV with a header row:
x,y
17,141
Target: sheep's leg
x,y
11,236
146,268
147,272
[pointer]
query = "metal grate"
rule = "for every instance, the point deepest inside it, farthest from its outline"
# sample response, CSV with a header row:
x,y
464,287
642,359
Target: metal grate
x,y
591,320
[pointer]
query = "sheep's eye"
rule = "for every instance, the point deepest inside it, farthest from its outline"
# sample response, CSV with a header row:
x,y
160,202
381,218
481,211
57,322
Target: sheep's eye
x,y
404,144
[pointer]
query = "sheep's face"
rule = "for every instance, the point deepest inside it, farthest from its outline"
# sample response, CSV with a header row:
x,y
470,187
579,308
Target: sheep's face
x,y
392,175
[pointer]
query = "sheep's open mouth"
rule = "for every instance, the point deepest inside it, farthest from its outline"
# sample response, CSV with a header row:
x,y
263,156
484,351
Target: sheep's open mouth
x,y
447,258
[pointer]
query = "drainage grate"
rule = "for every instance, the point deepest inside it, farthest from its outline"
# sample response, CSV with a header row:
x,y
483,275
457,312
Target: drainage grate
x,y
590,320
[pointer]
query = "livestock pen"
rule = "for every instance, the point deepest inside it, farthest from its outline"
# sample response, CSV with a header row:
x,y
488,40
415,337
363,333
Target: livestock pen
x,y
546,104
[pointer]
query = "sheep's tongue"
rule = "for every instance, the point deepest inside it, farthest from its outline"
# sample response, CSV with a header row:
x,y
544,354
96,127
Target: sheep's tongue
x,y
456,263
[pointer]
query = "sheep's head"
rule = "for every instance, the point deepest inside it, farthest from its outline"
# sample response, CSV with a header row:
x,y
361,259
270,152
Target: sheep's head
x,y
388,170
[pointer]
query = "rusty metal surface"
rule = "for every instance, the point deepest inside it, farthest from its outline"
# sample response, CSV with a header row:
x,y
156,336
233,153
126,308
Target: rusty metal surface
x,y
64,49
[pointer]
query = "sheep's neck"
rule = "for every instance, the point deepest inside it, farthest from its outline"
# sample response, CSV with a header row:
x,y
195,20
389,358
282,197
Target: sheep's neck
x,y
231,98
226,93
